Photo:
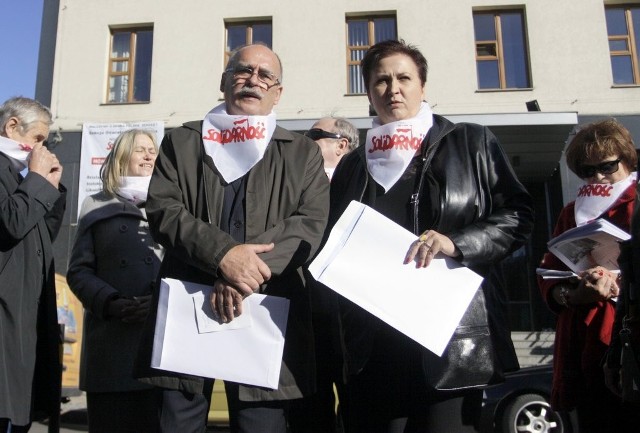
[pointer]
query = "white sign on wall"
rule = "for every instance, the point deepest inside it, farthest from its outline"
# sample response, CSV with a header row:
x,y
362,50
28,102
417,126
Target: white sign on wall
x,y
97,140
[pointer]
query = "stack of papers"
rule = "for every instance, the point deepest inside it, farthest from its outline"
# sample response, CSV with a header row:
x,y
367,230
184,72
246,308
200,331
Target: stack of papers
x,y
363,261
588,245
189,339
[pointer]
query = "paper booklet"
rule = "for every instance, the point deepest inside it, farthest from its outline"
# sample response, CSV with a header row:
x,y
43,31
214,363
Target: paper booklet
x,y
551,274
588,245
189,337
363,261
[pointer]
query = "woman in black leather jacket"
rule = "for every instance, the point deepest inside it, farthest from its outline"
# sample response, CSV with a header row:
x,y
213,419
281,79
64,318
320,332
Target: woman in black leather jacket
x,y
452,185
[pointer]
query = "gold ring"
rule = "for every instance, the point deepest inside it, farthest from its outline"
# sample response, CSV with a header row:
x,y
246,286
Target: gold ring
x,y
423,238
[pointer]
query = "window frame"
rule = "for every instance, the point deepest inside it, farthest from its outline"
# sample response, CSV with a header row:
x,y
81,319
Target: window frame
x,y
370,18
630,39
249,23
131,60
499,50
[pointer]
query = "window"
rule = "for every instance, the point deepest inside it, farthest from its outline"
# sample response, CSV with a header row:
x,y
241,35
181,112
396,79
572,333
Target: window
x,y
361,34
501,50
239,34
130,66
623,27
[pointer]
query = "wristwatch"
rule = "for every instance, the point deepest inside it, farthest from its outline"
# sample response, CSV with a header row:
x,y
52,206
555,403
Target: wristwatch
x,y
564,295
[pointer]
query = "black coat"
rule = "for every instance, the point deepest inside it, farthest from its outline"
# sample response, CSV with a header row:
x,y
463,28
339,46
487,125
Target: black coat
x,y
468,193
31,211
113,253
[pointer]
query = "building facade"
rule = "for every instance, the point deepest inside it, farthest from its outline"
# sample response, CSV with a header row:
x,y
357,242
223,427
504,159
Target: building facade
x,y
530,70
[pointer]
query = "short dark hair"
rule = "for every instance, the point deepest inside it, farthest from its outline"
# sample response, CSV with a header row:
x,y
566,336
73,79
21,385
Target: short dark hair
x,y
388,48
599,140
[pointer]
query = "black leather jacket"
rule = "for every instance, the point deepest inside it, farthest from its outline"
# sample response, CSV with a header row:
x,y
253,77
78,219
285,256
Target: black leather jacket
x,y
468,192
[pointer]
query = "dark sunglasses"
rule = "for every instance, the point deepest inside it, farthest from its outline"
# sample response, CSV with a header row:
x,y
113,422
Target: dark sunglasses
x,y
607,167
317,134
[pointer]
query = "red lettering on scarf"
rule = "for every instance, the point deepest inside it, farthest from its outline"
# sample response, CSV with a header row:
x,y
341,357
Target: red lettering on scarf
x,y
25,147
597,190
400,140
237,133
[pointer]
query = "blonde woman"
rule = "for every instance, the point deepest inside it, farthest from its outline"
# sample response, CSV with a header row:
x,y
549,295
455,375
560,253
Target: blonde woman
x,y
113,266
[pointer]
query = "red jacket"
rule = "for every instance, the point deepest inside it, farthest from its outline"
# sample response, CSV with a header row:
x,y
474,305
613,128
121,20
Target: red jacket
x,y
583,333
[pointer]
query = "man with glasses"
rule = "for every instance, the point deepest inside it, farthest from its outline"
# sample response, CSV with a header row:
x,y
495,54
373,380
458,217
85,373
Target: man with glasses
x,y
336,137
240,204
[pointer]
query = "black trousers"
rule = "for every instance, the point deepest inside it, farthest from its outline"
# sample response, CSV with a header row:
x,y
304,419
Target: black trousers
x,y
390,394
123,412
187,413
184,412
5,424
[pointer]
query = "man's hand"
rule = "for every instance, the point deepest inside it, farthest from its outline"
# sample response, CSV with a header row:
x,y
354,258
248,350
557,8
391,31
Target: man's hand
x,y
225,300
46,164
244,269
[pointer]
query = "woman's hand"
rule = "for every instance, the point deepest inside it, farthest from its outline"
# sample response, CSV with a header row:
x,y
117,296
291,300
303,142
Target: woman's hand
x,y
130,310
430,243
226,300
596,284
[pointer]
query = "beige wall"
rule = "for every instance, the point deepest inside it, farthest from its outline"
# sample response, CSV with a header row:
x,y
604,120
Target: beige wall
x,y
567,40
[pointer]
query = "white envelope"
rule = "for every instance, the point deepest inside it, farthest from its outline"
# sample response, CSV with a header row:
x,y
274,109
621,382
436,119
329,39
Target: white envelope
x,y
251,355
363,261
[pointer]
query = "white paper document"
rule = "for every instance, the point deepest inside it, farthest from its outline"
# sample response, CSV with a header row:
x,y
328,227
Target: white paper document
x,y
588,245
363,261
208,319
248,351
552,274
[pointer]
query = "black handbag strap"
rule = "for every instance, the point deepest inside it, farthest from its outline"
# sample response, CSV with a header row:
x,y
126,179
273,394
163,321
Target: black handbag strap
x,y
426,163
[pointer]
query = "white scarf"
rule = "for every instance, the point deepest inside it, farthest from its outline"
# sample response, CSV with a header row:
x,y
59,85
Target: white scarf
x,y
134,188
390,148
595,199
236,143
18,153
329,172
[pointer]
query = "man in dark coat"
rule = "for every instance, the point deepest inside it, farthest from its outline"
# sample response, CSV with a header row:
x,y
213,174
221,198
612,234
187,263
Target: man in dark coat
x,y
240,204
32,203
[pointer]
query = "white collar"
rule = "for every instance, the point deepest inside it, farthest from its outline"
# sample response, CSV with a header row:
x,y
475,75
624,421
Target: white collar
x,y
236,143
389,148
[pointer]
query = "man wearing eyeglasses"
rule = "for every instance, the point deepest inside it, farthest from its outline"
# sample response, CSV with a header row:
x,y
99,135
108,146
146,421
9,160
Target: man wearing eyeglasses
x,y
336,137
240,204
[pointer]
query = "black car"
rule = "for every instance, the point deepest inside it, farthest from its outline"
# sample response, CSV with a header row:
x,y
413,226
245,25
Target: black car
x,y
521,404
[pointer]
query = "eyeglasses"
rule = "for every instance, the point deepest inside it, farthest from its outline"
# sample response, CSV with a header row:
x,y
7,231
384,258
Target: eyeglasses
x,y
244,72
607,167
317,134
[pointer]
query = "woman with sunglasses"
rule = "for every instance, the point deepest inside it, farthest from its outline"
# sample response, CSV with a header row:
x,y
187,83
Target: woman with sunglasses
x,y
601,153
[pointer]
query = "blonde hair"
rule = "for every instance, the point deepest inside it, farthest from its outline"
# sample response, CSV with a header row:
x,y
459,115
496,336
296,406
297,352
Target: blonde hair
x,y
117,161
